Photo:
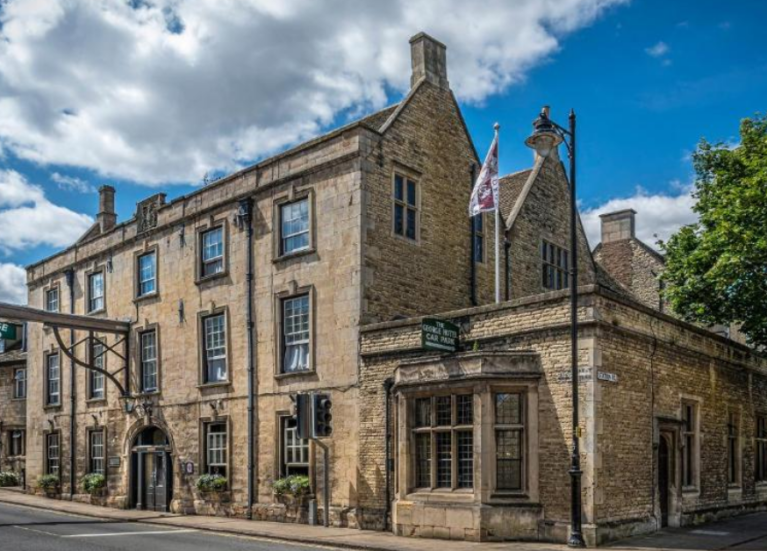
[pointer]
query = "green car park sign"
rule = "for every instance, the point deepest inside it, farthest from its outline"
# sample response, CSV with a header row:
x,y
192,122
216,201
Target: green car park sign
x,y
439,335
7,331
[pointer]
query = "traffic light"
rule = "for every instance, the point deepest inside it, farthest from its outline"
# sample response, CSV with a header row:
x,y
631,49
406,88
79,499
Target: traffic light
x,y
321,406
303,415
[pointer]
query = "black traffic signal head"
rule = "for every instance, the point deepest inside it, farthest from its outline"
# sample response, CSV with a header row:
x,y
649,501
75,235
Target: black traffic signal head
x,y
303,415
321,406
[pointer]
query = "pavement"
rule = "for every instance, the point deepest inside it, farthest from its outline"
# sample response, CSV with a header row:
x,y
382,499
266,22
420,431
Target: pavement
x,y
37,523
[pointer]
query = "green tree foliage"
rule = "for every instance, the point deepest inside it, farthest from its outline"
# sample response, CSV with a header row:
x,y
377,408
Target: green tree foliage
x,y
716,270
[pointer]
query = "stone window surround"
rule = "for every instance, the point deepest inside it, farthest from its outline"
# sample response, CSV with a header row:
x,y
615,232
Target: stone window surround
x,y
484,432
15,396
89,400
280,415
294,291
147,249
697,404
211,224
735,411
46,466
551,240
292,195
415,176
140,330
8,431
203,444
52,352
97,268
88,431
212,311
54,285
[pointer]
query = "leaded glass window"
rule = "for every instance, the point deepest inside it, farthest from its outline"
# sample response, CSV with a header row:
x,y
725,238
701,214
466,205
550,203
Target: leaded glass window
x,y
509,441
405,207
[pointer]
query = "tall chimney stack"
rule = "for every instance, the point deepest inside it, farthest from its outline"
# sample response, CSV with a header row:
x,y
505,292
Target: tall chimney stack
x,y
618,225
106,217
429,61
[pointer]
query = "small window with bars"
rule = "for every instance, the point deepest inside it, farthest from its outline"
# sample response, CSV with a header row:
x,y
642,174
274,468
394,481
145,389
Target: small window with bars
x,y
405,207
555,266
216,448
52,454
509,441
96,451
294,451
443,442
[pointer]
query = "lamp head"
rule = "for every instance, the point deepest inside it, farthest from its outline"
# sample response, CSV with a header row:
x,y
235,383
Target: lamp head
x,y
544,138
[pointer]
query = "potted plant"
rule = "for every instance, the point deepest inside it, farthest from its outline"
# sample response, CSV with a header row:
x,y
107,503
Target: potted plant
x,y
211,486
292,491
8,478
49,484
94,484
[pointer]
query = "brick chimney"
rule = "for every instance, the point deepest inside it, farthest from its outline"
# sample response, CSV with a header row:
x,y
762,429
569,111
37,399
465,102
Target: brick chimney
x,y
618,225
106,217
429,60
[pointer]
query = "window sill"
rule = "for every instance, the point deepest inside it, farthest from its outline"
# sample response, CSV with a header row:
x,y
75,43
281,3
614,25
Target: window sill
x,y
217,384
294,254
147,394
213,277
20,399
690,491
90,402
52,407
294,374
442,494
147,297
416,242
97,312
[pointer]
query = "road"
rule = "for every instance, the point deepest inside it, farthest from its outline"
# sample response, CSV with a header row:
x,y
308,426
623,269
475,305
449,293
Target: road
x,y
26,529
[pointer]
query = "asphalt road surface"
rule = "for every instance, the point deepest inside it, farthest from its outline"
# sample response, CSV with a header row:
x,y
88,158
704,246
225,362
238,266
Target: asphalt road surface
x,y
26,529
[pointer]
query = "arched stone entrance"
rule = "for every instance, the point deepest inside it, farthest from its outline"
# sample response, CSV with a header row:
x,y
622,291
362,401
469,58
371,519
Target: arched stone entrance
x,y
151,470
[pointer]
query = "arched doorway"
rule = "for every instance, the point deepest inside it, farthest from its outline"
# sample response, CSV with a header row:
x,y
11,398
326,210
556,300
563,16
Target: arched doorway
x,y
664,479
151,470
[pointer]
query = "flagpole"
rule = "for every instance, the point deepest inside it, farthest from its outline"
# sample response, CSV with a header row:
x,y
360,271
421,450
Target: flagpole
x,y
496,127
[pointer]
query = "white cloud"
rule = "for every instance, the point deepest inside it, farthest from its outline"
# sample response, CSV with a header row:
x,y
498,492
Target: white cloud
x,y
168,90
29,219
658,50
71,183
658,216
13,284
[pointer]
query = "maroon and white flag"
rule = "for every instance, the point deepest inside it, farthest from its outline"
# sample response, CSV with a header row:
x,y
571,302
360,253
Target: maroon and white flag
x,y
484,197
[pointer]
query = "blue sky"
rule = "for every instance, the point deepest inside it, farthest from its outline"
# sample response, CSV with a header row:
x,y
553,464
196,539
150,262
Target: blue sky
x,y
156,102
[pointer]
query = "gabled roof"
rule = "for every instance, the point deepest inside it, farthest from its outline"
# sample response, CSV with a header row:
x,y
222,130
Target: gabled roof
x,y
510,188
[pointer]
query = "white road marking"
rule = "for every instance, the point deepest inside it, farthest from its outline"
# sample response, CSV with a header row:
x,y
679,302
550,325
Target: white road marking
x,y
112,534
709,533
35,530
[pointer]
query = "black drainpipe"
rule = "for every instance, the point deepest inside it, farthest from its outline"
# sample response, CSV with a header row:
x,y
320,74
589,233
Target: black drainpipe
x,y
472,252
387,385
246,217
70,276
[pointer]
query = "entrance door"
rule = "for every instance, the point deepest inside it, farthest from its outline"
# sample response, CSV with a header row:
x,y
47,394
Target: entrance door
x,y
156,481
663,479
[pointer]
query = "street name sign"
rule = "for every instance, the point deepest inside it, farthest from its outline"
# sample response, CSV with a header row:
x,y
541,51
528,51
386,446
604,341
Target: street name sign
x,y
439,335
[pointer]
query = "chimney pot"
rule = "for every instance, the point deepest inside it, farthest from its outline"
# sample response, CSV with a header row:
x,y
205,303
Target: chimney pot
x,y
618,225
107,218
429,60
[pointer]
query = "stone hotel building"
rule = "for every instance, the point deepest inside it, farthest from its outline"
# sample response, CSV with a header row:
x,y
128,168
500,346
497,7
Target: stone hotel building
x,y
311,271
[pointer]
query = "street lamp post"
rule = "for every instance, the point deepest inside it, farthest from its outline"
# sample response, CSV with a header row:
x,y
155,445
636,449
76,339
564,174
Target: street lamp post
x,y
546,136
